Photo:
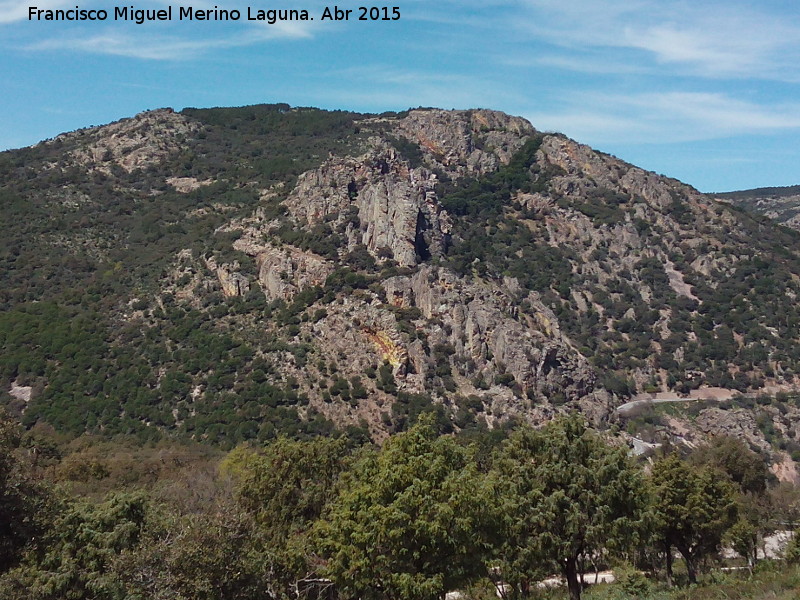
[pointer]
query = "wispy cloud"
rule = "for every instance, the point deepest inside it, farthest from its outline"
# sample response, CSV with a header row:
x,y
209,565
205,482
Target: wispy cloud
x,y
121,44
166,47
709,39
146,42
666,117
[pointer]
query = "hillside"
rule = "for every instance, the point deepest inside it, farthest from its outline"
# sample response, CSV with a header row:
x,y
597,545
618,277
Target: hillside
x,y
782,204
228,274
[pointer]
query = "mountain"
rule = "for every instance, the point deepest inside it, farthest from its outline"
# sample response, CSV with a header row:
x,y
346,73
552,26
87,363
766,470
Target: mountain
x,y
229,274
782,204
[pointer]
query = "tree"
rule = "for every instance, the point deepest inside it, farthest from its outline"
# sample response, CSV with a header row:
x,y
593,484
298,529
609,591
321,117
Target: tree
x,y
284,490
287,486
411,521
24,504
743,537
730,455
784,499
693,509
566,494
205,556
74,558
748,472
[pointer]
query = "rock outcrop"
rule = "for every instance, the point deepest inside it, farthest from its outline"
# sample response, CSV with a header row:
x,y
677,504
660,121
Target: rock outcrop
x,y
284,272
736,423
396,204
397,208
473,142
488,328
137,143
232,282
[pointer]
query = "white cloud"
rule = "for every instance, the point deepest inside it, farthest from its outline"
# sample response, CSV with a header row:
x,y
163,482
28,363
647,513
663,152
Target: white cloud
x,y
717,113
180,44
166,47
666,118
121,44
708,39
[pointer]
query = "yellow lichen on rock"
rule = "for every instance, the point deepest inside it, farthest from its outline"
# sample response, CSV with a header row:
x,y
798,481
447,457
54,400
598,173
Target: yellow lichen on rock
x,y
391,351
544,323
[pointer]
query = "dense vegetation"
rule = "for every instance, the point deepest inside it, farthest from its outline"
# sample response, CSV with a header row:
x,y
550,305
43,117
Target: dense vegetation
x,y
733,331
83,249
423,515
93,322
64,227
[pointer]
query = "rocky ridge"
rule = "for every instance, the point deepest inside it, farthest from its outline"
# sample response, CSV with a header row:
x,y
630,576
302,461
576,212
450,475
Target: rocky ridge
x,y
383,203
454,260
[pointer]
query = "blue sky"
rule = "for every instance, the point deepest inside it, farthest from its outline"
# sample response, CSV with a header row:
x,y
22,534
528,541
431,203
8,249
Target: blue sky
x,y
703,91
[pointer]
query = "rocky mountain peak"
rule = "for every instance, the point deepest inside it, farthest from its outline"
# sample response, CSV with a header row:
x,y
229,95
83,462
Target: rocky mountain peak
x,y
472,142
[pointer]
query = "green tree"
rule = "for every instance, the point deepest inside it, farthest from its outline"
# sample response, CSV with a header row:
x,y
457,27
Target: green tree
x,y
749,473
288,484
730,455
216,555
784,500
566,494
73,560
284,489
24,504
411,521
693,509
743,537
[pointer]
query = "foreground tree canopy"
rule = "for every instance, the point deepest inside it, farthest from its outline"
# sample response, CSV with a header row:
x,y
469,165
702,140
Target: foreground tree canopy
x,y
693,509
566,495
411,521
421,516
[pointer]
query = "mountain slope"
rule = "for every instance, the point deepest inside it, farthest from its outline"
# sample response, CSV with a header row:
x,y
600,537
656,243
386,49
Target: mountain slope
x,y
229,274
781,204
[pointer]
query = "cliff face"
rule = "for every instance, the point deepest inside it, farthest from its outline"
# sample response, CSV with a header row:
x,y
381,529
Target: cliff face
x,y
487,327
396,205
364,268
